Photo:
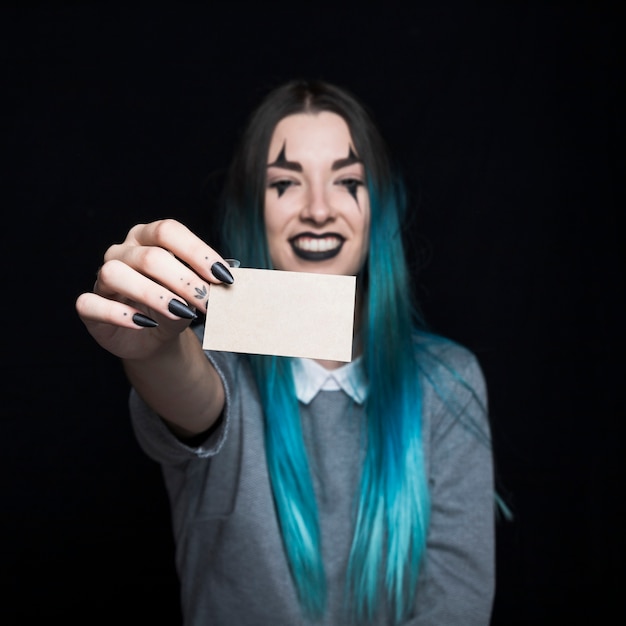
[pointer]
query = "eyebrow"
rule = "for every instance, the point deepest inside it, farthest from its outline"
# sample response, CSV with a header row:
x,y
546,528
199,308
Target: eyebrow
x,y
351,159
282,162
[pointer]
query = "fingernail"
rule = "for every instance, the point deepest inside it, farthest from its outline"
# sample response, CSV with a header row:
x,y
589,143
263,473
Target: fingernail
x,y
221,272
144,321
176,307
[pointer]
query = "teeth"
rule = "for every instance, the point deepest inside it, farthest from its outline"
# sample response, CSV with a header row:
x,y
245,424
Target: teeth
x,y
317,245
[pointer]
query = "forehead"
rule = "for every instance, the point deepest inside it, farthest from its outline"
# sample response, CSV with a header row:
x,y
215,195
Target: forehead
x,y
304,134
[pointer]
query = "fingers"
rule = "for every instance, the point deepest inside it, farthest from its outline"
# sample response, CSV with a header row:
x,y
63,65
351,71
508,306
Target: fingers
x,y
157,276
118,326
155,279
171,256
145,271
93,308
176,238
119,282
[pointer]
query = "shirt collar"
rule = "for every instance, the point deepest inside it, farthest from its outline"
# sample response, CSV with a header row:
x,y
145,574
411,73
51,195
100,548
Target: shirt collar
x,y
310,378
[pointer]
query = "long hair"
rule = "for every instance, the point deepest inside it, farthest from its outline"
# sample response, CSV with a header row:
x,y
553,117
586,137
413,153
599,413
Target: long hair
x,y
393,504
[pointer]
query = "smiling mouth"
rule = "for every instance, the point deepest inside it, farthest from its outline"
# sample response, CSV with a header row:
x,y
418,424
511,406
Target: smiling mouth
x,y
311,247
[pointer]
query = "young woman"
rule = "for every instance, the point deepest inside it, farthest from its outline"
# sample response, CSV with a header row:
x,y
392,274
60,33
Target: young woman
x,y
306,492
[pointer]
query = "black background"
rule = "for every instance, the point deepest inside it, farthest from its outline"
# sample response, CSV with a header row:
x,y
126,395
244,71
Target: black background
x,y
508,123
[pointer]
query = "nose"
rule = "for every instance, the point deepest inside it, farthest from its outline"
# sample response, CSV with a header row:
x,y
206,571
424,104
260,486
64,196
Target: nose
x,y
317,208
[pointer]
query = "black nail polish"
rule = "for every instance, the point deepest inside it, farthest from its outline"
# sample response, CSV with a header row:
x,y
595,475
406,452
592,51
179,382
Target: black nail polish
x,y
176,307
144,321
221,272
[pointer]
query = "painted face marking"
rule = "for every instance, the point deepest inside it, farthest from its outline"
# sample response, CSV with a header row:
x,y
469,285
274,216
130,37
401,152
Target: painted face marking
x,y
351,184
352,187
280,186
282,162
351,159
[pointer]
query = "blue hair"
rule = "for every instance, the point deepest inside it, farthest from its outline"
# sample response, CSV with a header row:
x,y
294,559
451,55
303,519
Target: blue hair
x,y
393,504
292,487
393,512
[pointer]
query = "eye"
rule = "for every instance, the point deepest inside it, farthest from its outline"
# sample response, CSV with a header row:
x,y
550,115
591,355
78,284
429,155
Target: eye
x,y
351,184
281,186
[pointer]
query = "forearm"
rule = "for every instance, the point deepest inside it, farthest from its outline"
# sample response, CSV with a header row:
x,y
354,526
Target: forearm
x,y
180,384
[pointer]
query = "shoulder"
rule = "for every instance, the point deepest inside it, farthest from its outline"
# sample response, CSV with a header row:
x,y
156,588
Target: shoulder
x,y
451,377
440,356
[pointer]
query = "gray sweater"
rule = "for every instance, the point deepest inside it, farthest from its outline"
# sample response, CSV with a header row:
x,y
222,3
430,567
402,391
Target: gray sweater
x,y
230,558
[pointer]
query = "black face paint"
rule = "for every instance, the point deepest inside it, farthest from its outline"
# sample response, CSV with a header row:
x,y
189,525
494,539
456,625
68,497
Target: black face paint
x,y
281,186
282,162
351,159
352,185
281,158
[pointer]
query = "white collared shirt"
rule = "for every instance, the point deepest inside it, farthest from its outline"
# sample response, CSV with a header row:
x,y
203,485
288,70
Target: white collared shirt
x,y
310,378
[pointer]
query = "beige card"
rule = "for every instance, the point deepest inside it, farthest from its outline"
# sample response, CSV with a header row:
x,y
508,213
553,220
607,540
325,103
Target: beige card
x,y
282,313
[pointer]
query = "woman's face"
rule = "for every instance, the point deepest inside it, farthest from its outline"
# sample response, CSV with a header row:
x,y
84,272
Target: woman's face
x,y
317,210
